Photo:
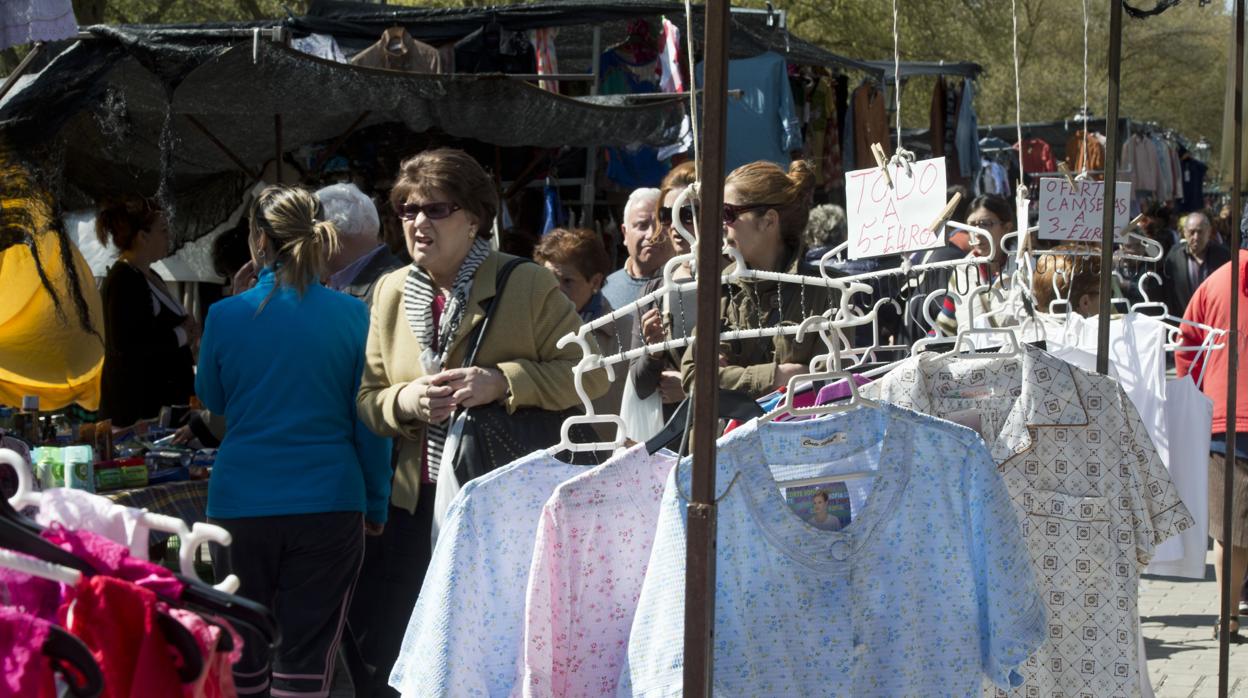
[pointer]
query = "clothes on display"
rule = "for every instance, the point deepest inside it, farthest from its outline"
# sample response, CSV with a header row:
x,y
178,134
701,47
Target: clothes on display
x,y
493,49
27,21
319,45
763,123
589,562
1037,155
870,124
1085,479
633,67
1086,151
807,602
397,50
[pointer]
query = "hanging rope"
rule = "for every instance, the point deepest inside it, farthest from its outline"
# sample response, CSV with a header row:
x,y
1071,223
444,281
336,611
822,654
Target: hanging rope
x,y
1022,192
1083,171
901,156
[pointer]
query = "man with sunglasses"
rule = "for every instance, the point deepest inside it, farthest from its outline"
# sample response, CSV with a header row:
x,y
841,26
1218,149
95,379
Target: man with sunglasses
x,y
647,253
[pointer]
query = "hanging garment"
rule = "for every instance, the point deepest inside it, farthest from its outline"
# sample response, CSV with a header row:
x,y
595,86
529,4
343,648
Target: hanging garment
x,y
1166,191
217,678
1084,150
547,62
593,545
672,78
953,165
492,49
410,55
992,179
968,130
466,638
936,119
24,670
1192,175
870,124
319,45
1139,165
804,609
76,509
822,144
620,72
1037,156
763,123
1189,414
27,21
116,620
1094,499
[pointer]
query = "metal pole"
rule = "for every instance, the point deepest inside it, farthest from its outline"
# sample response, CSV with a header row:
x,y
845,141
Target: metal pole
x,y
591,153
20,70
700,553
1230,586
1112,144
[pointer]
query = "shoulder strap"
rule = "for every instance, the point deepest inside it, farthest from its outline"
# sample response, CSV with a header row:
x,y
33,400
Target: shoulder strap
x,y
504,273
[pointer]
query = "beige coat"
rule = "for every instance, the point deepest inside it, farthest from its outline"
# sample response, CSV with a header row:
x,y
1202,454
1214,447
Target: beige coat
x,y
531,317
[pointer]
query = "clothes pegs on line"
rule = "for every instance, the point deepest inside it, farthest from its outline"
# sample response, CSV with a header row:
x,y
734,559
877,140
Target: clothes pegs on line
x,y
1070,176
882,161
946,213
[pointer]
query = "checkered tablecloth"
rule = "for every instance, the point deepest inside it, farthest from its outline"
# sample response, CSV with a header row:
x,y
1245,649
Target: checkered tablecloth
x,y
186,500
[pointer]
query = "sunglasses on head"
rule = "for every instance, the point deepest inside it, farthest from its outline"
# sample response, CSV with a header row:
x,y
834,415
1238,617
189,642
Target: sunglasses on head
x,y
686,215
733,212
434,211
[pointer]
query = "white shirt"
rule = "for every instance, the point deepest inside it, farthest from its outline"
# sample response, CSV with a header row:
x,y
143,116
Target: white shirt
x,y
465,633
1093,496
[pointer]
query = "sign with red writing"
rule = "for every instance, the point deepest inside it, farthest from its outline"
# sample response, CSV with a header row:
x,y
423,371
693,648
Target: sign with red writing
x,y
886,220
1078,214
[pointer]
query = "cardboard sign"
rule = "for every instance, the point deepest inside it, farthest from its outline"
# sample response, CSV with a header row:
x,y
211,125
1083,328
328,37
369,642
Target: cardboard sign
x,y
887,220
1079,214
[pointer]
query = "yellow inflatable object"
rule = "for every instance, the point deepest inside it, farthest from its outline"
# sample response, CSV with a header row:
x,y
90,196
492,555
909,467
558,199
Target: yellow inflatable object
x,y
45,351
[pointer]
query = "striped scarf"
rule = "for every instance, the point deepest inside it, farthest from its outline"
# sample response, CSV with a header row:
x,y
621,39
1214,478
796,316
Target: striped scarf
x,y
418,294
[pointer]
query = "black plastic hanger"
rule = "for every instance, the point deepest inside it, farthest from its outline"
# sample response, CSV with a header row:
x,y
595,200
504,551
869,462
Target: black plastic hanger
x,y
73,661
236,609
20,534
733,404
187,647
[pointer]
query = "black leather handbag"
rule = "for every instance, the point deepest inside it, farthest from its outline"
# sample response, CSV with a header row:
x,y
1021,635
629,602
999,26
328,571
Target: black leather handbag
x,y
491,438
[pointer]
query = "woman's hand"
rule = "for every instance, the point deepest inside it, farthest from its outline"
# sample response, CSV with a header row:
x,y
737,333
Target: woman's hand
x,y
244,278
373,529
473,386
426,399
191,328
652,327
786,371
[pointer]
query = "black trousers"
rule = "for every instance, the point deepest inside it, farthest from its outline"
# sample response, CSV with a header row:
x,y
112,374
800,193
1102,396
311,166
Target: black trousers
x,y
390,581
304,568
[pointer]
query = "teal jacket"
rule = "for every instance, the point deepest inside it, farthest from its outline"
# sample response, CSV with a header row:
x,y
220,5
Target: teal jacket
x,y
285,378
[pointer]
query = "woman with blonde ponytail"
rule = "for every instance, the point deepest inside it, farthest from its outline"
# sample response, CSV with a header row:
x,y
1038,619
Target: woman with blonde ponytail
x,y
298,480
765,213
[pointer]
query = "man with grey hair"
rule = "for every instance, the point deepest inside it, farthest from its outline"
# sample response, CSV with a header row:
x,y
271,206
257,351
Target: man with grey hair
x,y
362,257
1190,263
646,254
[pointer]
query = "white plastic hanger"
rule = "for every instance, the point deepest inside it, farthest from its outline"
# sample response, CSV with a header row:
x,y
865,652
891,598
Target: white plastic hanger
x,y
191,537
589,418
39,568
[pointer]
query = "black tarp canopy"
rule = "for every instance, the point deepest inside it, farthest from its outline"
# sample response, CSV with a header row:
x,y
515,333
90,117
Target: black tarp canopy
x,y
115,113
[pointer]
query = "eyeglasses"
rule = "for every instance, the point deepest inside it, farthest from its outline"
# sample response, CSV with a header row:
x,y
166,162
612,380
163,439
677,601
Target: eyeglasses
x,y
733,212
434,211
985,223
686,215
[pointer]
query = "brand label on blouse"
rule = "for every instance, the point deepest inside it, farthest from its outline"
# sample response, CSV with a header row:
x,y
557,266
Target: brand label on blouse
x,y
838,438
968,418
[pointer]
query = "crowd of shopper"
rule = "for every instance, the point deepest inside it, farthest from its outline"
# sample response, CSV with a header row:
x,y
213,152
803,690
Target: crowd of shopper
x,y
334,363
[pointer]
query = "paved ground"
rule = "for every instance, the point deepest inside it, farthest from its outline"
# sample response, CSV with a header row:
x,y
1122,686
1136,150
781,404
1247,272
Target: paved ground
x,y
1177,617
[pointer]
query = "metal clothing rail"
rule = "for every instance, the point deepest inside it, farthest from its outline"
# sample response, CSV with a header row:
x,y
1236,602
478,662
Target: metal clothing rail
x,y
1230,586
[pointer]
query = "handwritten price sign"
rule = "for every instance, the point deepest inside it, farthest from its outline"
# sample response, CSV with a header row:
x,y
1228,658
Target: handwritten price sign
x,y
1079,213
887,220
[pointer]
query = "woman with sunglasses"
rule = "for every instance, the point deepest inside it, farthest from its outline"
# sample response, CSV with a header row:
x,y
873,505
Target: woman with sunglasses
x,y
672,316
418,341
963,306
765,213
